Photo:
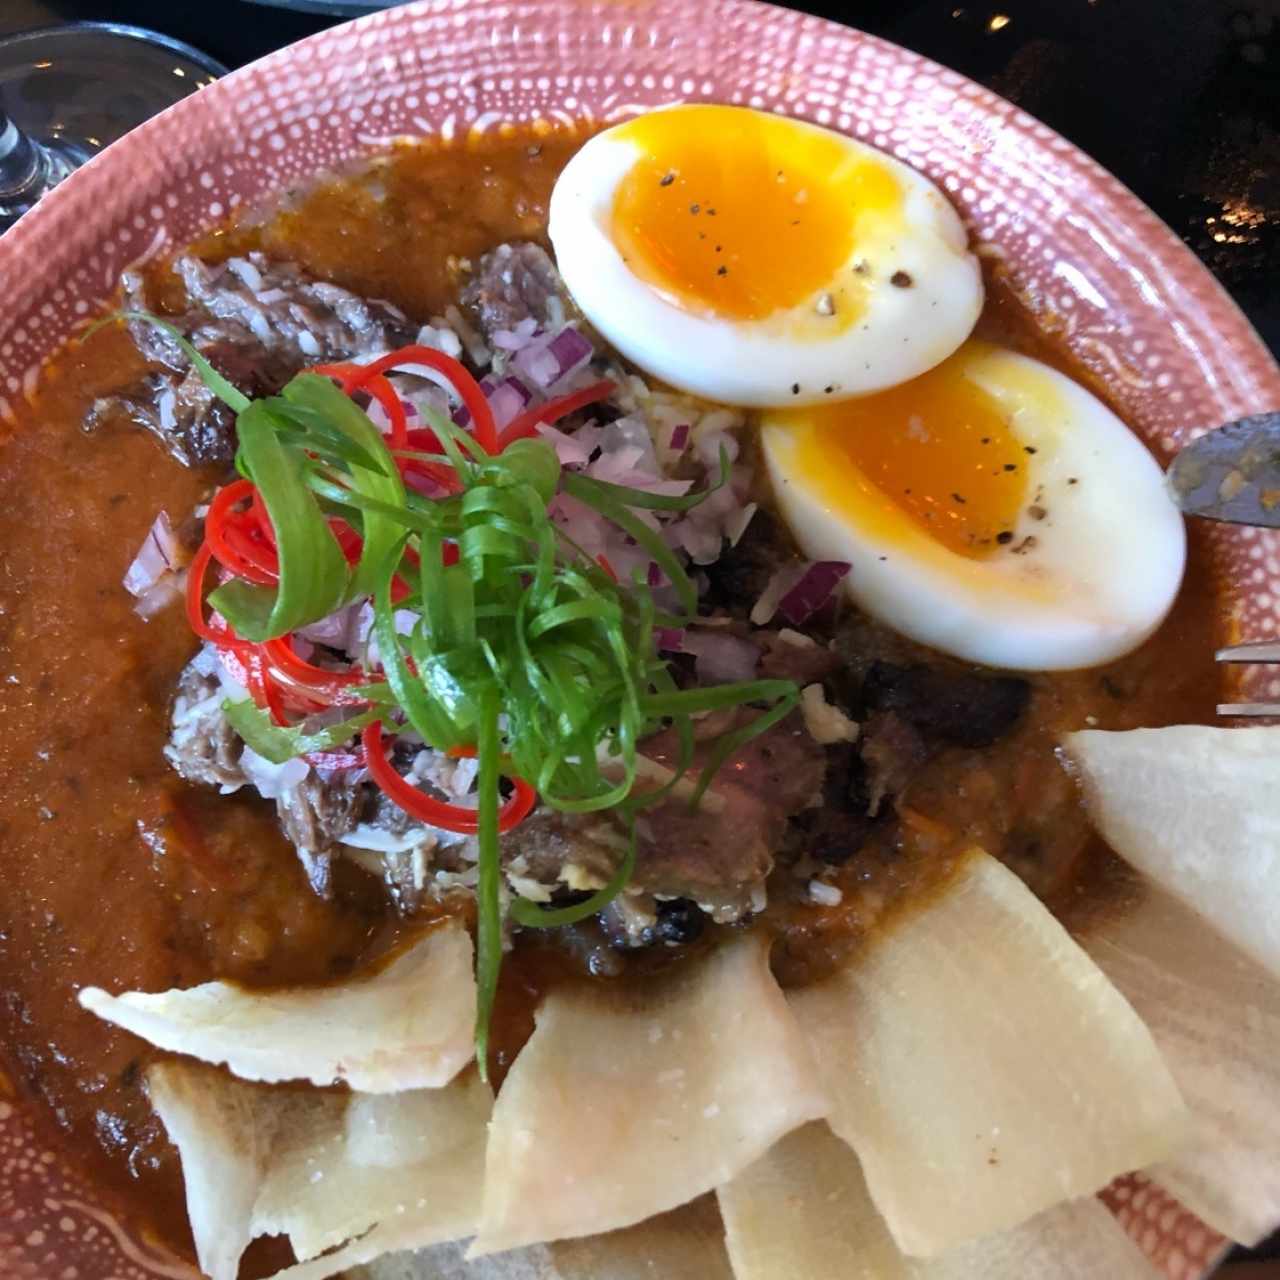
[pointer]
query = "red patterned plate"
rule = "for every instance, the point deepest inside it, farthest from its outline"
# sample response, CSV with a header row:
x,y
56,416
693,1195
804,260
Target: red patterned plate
x,y
1129,300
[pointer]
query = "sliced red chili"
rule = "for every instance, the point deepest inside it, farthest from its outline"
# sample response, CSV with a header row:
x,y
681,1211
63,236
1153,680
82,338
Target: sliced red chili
x,y
231,536
483,426
424,440
440,473
343,372
385,394
526,424
281,654
428,809
266,689
220,634
351,543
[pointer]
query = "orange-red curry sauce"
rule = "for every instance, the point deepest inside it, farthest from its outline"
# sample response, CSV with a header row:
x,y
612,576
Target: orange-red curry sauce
x,y
116,872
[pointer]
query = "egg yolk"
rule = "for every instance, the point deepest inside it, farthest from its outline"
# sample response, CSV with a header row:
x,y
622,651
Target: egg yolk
x,y
937,450
740,214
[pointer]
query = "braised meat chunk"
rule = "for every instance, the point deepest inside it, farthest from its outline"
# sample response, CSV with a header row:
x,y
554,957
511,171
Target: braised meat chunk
x,y
956,707
257,322
513,283
716,856
203,747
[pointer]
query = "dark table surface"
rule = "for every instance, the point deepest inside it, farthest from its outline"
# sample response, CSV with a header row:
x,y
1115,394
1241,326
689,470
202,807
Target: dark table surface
x,y
1180,99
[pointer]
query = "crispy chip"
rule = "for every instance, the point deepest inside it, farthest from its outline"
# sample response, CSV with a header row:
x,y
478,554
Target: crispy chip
x,y
685,1244
803,1211
983,1068
627,1103
327,1168
1196,809
408,1026
1215,1014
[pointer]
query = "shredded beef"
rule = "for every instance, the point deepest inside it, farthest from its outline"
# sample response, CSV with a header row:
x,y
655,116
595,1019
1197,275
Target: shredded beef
x,y
257,322
861,780
317,812
784,766
511,283
717,856
789,655
892,750
960,708
203,747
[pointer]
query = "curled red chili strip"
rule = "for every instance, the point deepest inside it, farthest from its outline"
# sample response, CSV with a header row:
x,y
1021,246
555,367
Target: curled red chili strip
x,y
440,473
438,813
332,686
385,394
197,572
231,536
483,426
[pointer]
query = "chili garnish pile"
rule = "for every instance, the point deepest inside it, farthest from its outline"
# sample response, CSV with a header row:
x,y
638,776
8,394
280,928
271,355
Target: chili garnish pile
x,y
524,651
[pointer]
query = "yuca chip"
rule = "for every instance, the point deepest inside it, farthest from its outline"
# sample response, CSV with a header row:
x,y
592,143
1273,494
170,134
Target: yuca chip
x,y
1215,1015
326,1168
1198,810
627,1103
982,1066
685,1244
408,1026
803,1210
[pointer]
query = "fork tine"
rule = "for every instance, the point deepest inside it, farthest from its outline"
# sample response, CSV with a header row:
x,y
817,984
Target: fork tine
x,y
1259,651
1249,708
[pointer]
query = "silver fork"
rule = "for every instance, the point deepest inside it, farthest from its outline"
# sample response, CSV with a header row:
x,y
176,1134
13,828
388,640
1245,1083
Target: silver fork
x,y
1258,651
1233,474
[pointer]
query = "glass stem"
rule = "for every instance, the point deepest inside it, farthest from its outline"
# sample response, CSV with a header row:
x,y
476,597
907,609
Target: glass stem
x,y
27,171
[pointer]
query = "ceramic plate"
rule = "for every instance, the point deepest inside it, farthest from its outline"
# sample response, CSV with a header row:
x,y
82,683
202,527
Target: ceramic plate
x,y
1098,268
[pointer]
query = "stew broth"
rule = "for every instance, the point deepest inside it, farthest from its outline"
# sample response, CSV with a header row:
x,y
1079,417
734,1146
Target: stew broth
x,y
120,874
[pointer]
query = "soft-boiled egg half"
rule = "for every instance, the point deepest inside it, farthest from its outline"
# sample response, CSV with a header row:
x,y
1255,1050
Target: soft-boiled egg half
x,y
761,261
991,508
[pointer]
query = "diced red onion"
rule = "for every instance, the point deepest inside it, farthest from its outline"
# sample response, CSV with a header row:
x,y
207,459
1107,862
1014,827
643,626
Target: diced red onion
x,y
679,437
536,363
568,448
701,542
709,443
572,351
507,399
338,630
780,582
721,658
548,360
669,639
160,554
815,588
654,575
517,338
157,597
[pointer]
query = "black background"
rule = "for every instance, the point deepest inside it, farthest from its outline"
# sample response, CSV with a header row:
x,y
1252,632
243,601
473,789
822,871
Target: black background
x,y
1180,99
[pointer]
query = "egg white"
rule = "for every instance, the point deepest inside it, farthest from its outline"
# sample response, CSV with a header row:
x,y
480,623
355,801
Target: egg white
x,y
1101,571
901,333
